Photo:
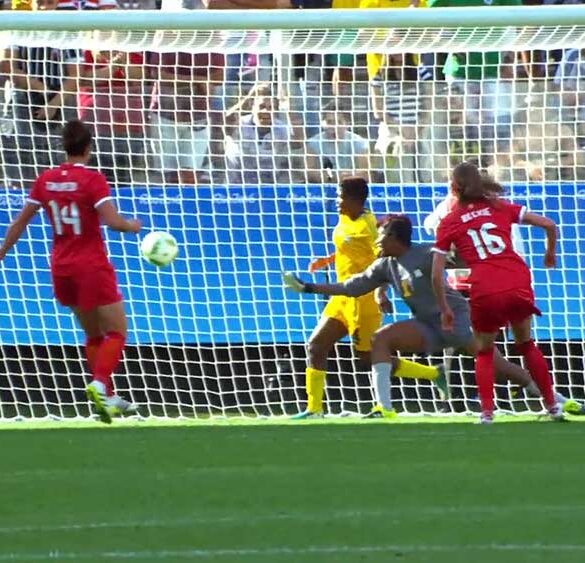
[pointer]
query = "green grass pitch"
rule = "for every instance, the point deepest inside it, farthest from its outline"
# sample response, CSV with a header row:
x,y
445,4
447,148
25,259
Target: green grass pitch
x,y
273,492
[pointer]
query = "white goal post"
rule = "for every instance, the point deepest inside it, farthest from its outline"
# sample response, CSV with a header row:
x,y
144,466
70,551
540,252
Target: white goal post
x,y
231,130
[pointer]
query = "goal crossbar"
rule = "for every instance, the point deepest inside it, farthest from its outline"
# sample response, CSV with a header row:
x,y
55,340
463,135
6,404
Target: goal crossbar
x,y
209,20
454,30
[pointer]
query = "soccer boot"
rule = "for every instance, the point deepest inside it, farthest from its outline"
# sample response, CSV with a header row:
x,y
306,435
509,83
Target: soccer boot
x,y
307,415
486,418
442,382
556,413
96,393
120,407
574,407
380,412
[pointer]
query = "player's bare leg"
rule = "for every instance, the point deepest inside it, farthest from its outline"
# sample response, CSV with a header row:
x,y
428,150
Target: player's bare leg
x,y
537,365
96,391
106,329
507,371
407,338
325,335
485,374
90,324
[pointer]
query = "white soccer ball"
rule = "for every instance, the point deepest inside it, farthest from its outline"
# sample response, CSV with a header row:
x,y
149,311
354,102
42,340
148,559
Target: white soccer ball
x,y
159,248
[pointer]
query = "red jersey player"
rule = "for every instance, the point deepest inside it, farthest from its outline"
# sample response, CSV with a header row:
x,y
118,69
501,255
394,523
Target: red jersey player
x,y
479,227
77,199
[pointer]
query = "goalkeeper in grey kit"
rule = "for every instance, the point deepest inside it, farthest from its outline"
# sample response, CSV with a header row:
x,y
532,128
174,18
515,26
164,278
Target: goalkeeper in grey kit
x,y
407,266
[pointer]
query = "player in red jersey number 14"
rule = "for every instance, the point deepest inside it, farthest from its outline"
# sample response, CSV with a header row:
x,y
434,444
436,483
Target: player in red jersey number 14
x,y
479,228
77,201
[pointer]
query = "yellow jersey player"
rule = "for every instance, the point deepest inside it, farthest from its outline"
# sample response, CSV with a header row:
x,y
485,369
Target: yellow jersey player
x,y
354,239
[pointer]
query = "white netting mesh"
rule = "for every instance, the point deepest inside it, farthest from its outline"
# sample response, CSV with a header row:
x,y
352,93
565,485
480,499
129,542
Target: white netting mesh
x,y
398,40
265,124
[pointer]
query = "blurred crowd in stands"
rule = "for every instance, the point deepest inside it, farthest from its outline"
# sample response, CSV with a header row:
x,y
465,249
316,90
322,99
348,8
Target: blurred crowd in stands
x,y
181,117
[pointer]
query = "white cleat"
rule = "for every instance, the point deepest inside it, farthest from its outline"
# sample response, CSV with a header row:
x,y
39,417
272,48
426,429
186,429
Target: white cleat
x,y
556,413
486,418
120,407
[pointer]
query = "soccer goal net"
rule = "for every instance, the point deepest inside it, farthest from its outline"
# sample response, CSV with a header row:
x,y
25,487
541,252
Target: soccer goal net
x,y
234,140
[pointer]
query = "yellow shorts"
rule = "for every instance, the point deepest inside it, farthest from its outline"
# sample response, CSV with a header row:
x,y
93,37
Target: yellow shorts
x,y
360,315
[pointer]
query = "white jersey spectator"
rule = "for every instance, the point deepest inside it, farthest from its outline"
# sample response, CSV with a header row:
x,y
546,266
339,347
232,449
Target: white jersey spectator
x,y
86,4
259,149
337,151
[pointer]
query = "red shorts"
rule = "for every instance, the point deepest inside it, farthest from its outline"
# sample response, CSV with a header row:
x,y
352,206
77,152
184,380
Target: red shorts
x,y
492,312
87,290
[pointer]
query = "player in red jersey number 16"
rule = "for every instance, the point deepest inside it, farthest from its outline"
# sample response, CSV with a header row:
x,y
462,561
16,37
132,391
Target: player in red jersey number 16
x,y
479,228
77,201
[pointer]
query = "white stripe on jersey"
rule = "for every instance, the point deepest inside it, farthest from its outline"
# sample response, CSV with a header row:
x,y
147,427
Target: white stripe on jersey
x,y
438,251
102,200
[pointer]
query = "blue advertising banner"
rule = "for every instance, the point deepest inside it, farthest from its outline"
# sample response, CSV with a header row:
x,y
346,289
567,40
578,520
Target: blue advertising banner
x,y
226,286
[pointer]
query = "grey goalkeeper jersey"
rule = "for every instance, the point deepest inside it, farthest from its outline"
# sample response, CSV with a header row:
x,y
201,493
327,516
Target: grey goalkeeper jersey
x,y
410,276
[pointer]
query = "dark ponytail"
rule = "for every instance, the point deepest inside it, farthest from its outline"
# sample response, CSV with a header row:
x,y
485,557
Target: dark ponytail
x,y
471,186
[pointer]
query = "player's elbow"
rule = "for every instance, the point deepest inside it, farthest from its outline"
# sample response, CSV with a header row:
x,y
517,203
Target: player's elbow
x,y
352,290
549,224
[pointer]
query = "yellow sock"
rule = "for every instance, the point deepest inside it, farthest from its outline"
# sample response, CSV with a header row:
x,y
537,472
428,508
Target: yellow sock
x,y
315,389
412,370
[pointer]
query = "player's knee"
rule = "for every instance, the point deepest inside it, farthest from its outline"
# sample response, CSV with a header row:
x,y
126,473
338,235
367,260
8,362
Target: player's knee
x,y
383,340
316,352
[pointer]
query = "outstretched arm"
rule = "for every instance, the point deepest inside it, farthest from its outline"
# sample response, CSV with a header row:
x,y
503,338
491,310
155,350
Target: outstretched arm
x,y
321,263
550,257
17,227
357,285
110,216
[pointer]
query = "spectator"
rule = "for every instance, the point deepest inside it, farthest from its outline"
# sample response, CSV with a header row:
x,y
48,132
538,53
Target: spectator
x,y
379,64
479,79
185,88
112,103
337,151
44,84
259,151
171,5
343,64
538,63
306,90
87,4
570,81
396,91
244,70
544,148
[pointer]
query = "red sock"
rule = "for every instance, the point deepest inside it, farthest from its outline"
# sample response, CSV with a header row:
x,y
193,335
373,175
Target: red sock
x,y
538,368
108,357
485,376
91,348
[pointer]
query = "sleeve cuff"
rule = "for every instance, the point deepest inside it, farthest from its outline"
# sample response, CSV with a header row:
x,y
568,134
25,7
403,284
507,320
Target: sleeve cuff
x,y
439,251
33,201
523,212
99,202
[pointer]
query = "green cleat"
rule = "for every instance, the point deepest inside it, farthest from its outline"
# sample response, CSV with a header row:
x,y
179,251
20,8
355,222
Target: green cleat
x,y
96,393
574,407
308,415
442,382
380,412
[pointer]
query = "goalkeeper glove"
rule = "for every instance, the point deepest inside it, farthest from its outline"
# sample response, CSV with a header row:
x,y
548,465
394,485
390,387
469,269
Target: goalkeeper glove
x,y
293,282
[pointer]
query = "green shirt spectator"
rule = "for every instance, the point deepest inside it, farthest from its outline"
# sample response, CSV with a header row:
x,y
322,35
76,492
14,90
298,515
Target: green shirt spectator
x,y
473,66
